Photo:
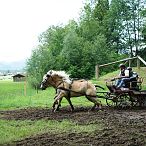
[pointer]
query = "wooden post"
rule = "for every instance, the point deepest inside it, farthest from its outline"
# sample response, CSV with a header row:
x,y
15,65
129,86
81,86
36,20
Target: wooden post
x,y
138,63
97,71
25,87
129,63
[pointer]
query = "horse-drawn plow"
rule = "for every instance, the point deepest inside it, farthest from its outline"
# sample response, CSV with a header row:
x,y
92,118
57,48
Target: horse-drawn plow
x,y
131,96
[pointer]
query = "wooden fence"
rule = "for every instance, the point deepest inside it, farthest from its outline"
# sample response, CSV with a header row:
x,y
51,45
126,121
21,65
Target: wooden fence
x,y
97,67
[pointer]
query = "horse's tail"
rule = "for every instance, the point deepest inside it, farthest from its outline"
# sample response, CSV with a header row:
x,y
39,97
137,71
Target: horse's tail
x,y
97,86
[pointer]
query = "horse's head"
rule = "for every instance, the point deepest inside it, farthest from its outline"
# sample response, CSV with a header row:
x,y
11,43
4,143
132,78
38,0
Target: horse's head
x,y
54,78
49,79
45,83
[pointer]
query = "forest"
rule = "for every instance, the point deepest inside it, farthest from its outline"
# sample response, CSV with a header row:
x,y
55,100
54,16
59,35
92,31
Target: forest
x,y
107,30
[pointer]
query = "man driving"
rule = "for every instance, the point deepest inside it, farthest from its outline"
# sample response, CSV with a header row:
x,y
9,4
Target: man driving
x,y
123,76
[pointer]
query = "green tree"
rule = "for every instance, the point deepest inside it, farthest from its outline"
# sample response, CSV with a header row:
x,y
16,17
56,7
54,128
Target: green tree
x,y
100,36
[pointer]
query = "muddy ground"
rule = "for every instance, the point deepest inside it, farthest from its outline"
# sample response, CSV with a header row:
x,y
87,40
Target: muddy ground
x,y
122,127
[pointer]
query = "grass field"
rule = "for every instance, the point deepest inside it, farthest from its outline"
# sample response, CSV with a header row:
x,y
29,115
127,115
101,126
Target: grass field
x,y
12,96
16,130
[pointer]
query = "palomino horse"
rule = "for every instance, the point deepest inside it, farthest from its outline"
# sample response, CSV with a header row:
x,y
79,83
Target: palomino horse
x,y
68,88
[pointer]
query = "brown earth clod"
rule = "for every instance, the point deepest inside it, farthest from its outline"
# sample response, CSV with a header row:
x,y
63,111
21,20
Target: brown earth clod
x,y
126,127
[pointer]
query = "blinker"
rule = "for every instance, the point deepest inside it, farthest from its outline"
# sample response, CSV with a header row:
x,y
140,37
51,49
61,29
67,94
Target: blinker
x,y
47,75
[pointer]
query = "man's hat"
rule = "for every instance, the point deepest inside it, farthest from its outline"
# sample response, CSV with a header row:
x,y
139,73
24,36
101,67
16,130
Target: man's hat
x,y
122,65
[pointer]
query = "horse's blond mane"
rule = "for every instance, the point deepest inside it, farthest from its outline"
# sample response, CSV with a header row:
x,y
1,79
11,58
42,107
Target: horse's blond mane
x,y
62,74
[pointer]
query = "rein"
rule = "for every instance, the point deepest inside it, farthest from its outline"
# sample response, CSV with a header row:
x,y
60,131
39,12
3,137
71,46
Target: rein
x,y
69,90
70,86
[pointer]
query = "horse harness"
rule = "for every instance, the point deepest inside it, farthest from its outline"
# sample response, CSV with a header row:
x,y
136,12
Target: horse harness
x,y
69,89
65,89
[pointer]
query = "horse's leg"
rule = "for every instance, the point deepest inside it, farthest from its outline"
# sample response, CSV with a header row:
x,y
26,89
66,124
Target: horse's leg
x,y
69,101
59,104
92,100
58,99
96,103
56,102
53,106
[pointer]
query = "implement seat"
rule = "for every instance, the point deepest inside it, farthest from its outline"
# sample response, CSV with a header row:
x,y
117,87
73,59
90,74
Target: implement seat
x,y
134,83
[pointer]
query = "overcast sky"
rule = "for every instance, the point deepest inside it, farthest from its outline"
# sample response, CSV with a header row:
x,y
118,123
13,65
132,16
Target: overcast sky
x,y
22,21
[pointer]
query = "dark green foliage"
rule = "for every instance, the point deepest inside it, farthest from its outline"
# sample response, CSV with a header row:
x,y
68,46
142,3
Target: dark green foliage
x,y
103,34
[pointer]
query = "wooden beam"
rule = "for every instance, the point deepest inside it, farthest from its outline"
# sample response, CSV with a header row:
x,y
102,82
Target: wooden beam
x,y
117,61
123,60
141,60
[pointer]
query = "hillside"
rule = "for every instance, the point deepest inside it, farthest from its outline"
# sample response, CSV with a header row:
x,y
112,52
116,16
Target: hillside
x,y
103,79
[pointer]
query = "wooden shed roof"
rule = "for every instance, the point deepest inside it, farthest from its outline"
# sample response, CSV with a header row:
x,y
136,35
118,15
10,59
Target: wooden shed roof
x,y
18,75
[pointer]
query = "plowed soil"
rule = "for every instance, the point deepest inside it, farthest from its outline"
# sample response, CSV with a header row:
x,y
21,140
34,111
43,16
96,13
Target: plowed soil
x,y
122,127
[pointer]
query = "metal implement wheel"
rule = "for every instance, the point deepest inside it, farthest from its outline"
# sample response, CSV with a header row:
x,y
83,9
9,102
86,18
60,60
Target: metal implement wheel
x,y
138,100
134,101
123,100
111,100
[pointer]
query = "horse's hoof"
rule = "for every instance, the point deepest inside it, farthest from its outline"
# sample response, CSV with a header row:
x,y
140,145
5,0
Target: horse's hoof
x,y
98,109
53,109
72,110
56,110
92,109
95,108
